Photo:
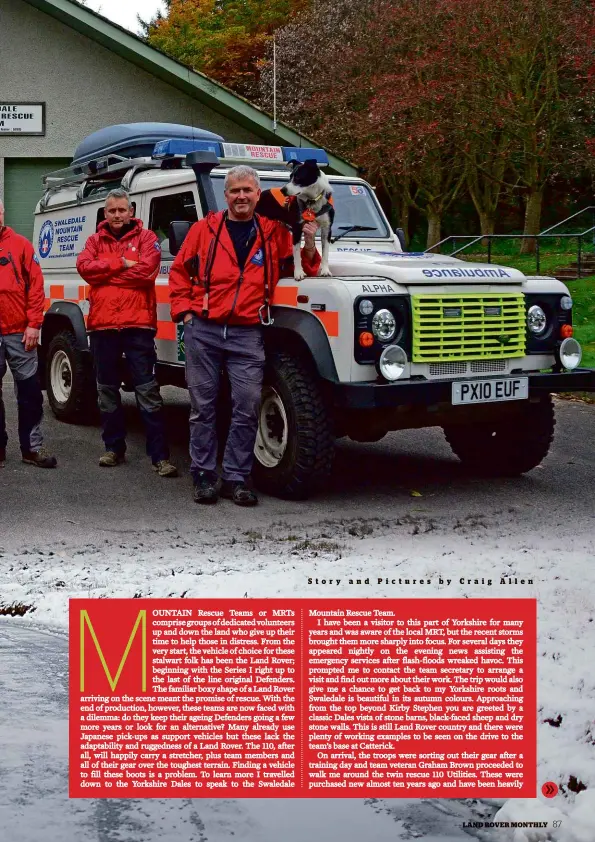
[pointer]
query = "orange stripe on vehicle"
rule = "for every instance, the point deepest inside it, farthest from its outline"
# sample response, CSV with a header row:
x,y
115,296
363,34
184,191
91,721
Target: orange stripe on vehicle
x,y
330,320
166,330
57,291
46,304
286,295
83,292
162,294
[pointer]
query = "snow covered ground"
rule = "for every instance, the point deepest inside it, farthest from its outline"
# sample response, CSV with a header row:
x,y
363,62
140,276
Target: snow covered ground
x,y
286,561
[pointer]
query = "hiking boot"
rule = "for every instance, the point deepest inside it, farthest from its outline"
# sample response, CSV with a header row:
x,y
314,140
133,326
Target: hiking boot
x,y
165,468
110,459
239,492
206,488
40,458
2,457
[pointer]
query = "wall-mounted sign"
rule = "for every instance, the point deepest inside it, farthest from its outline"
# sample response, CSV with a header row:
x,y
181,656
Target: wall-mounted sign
x,y
26,118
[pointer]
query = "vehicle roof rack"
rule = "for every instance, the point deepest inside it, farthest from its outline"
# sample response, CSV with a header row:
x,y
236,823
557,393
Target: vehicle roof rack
x,y
100,168
110,168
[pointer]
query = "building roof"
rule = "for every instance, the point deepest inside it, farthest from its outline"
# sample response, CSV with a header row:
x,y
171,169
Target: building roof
x,y
217,97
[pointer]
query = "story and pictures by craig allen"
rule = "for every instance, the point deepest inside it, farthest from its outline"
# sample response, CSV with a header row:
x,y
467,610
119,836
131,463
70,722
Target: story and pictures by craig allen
x,y
386,580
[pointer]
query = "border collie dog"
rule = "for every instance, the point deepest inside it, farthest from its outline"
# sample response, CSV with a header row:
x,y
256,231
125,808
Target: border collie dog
x,y
307,196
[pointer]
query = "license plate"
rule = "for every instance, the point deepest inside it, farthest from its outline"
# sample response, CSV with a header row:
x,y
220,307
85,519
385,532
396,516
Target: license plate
x,y
487,391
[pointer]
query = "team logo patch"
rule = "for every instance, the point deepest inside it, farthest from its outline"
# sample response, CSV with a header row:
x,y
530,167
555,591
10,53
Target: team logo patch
x,y
36,259
157,245
46,238
258,258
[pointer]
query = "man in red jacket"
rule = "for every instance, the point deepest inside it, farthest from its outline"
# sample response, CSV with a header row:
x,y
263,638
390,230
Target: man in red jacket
x,y
21,315
221,283
120,263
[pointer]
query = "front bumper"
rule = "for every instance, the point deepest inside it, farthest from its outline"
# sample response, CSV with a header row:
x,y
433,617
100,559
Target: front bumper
x,y
425,392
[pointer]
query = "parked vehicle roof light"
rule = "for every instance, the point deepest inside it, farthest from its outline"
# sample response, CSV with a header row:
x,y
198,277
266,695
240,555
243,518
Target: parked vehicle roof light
x,y
179,147
294,153
248,152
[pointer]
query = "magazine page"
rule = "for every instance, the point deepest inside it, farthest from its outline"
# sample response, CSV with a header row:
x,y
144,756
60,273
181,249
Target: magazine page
x,y
297,426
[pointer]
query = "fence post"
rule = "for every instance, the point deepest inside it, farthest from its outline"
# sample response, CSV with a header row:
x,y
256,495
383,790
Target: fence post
x,y
537,256
579,249
489,249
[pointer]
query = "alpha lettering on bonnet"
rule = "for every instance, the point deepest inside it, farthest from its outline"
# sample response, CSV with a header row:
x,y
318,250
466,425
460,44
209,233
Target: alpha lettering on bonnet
x,y
377,288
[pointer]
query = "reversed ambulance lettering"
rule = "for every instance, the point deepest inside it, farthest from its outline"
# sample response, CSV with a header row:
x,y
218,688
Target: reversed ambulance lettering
x,y
465,273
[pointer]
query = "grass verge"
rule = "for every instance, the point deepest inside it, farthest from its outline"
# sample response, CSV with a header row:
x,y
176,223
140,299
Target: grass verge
x,y
581,290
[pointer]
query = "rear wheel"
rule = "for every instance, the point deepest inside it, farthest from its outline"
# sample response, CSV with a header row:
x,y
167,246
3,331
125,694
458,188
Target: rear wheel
x,y
506,447
295,443
70,384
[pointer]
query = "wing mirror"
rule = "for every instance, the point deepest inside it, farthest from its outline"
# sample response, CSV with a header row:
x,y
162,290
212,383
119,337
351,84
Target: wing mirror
x,y
177,234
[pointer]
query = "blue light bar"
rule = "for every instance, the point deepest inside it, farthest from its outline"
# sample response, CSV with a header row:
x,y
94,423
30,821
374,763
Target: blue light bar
x,y
250,152
168,148
293,153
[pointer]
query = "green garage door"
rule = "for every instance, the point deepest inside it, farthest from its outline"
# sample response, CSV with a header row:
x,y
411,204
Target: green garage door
x,y
23,189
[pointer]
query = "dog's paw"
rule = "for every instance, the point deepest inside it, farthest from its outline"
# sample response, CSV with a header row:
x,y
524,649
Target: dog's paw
x,y
325,272
299,275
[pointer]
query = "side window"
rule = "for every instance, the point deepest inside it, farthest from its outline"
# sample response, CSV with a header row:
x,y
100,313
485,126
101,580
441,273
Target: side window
x,y
165,209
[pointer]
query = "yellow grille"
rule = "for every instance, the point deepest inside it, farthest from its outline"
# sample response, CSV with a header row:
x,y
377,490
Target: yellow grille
x,y
468,327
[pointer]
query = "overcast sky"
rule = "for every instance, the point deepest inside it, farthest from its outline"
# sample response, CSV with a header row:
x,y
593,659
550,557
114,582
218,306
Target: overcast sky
x,y
124,12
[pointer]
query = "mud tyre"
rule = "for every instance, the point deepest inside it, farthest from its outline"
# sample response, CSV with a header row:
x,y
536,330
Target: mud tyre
x,y
295,443
507,447
70,383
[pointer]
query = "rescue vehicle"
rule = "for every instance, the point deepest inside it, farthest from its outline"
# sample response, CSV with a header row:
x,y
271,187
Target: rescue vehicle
x,y
393,340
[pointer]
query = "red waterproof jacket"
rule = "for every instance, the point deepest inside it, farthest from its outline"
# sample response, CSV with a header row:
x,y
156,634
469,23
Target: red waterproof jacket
x,y
234,297
21,284
121,297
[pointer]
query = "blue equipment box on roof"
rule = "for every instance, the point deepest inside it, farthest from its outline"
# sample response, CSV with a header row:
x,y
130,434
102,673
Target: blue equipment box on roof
x,y
136,140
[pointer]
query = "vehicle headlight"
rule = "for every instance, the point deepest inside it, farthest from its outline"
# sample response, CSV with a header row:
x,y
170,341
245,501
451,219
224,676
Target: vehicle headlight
x,y
392,362
366,307
566,302
536,320
384,325
571,354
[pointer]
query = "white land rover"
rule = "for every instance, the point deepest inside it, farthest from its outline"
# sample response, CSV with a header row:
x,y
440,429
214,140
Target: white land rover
x,y
393,340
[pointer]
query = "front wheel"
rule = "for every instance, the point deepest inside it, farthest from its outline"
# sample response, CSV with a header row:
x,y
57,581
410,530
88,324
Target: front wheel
x,y
71,389
295,444
507,447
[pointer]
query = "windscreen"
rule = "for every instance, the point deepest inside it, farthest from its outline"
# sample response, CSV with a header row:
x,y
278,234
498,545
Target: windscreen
x,y
354,205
